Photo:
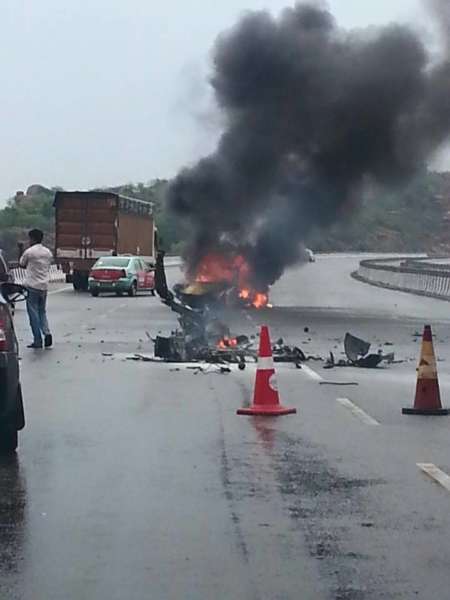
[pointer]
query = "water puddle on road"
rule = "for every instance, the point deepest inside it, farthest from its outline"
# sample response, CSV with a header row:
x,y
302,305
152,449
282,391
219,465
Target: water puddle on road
x,y
12,521
327,507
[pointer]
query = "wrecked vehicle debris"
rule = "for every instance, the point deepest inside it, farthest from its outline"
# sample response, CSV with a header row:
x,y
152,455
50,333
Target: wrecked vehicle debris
x,y
283,353
357,352
219,370
355,347
223,278
203,336
177,348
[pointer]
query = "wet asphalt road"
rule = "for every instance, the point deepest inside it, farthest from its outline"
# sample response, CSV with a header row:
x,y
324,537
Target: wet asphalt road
x,y
136,481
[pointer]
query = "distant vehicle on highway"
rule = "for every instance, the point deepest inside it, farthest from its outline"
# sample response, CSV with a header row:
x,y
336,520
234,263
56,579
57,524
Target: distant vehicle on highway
x,y
121,275
310,255
12,418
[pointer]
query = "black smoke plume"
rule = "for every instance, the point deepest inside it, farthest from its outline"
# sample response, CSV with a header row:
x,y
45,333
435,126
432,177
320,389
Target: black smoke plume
x,y
312,113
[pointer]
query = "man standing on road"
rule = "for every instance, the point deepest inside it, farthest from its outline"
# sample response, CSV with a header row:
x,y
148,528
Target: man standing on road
x,y
37,260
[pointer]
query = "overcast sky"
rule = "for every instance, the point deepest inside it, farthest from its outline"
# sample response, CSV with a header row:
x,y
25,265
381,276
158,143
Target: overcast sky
x,y
113,91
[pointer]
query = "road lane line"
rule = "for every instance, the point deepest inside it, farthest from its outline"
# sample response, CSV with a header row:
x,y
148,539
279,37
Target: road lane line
x,y
435,473
357,412
312,374
64,289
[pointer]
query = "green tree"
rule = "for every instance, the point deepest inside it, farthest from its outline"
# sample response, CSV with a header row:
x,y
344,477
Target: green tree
x,y
18,217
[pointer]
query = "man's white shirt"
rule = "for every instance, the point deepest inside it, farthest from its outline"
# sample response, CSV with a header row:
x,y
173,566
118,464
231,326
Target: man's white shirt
x,y
37,260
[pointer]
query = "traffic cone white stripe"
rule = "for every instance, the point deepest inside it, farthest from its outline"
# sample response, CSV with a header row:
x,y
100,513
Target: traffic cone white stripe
x,y
265,363
266,400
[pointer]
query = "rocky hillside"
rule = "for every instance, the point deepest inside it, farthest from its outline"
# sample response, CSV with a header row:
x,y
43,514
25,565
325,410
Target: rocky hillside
x,y
415,219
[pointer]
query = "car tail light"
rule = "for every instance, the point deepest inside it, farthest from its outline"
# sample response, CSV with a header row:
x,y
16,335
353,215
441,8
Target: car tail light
x,y
108,274
2,335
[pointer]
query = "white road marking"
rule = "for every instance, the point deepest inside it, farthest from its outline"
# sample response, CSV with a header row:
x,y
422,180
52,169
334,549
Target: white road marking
x,y
357,412
64,289
312,374
435,473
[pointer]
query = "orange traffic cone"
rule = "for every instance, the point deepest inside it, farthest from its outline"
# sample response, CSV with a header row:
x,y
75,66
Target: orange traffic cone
x,y
428,397
266,400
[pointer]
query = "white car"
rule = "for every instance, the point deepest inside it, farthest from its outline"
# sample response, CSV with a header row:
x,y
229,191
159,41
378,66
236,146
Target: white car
x,y
310,255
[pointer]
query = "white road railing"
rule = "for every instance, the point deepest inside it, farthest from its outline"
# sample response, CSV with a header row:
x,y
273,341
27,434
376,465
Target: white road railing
x,y
56,275
419,276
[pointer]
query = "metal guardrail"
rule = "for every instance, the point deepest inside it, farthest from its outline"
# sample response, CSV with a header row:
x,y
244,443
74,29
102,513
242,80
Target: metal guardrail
x,y
173,261
428,265
416,276
56,274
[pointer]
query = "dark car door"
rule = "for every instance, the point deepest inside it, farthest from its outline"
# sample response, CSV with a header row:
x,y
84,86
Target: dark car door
x,y
4,273
12,417
9,362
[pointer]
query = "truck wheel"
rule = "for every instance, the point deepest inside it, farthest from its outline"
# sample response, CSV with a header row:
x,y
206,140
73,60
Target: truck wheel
x,y
8,439
94,293
152,292
76,282
80,281
133,290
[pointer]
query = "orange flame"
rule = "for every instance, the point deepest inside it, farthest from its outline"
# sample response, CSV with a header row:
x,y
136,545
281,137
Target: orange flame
x,y
233,271
260,300
227,342
255,299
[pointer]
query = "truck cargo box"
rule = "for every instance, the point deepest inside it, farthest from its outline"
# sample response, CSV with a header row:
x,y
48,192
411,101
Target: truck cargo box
x,y
93,224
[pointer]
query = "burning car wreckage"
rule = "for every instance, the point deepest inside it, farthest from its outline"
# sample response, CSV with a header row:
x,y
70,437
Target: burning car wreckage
x,y
202,336
304,136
